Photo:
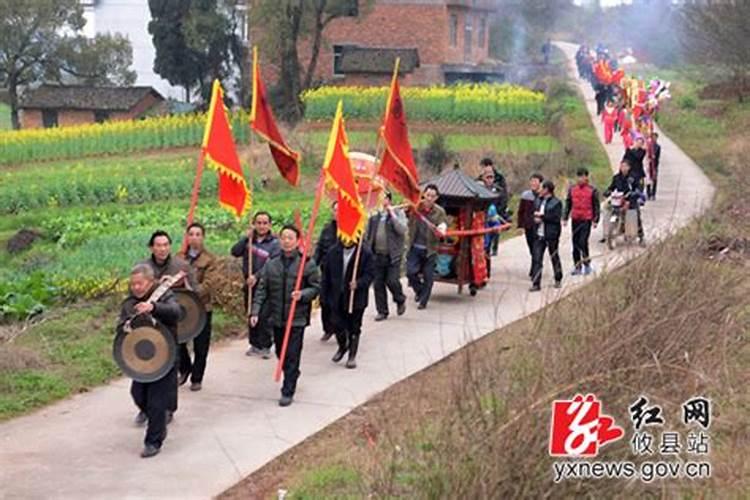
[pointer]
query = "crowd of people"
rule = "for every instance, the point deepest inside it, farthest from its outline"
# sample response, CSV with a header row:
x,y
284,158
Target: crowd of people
x,y
340,273
628,106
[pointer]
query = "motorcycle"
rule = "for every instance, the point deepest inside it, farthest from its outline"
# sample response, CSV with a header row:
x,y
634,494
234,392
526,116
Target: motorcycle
x,y
621,221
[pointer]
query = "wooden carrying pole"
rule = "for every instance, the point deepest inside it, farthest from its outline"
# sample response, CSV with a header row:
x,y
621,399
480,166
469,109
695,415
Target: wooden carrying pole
x,y
300,274
195,193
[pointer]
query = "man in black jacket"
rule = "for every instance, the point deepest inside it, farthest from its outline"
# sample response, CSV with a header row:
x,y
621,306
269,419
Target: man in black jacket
x,y
327,239
153,399
547,216
276,291
498,184
654,157
634,156
386,232
336,286
624,182
526,212
265,247
164,265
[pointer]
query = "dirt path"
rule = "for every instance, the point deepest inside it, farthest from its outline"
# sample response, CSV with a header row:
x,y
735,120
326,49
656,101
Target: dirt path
x,y
87,446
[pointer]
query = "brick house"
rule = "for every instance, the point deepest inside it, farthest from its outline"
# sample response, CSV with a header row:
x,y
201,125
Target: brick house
x,y
439,41
53,105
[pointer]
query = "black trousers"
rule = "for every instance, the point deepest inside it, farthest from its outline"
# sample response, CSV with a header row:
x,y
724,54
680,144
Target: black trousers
x,y
260,335
540,245
387,275
581,234
350,325
327,319
418,263
651,188
530,239
292,359
201,344
154,399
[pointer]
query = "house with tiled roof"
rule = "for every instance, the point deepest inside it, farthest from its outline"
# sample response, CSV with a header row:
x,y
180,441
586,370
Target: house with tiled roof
x,y
58,105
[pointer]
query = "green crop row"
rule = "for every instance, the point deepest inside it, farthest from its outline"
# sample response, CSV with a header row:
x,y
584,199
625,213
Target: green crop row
x,y
117,137
483,103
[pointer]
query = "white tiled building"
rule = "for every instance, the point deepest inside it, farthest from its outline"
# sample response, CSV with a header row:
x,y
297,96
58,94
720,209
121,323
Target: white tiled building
x,y
130,18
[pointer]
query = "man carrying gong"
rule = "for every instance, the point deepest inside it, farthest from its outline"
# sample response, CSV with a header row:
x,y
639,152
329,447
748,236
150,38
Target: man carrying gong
x,y
155,397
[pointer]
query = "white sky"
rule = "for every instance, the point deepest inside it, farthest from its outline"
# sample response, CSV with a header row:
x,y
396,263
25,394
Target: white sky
x,y
605,3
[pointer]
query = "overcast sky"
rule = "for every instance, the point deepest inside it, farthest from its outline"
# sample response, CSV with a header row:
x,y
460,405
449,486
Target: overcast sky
x,y
606,3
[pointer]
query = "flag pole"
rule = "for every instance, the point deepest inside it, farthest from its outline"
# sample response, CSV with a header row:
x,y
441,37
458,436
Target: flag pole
x,y
251,235
300,274
378,151
195,193
251,144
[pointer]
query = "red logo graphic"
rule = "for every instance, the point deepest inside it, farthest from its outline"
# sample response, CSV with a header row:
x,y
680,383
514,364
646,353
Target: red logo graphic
x,y
579,428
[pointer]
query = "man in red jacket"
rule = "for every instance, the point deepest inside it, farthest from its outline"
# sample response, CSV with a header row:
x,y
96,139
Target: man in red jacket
x,y
582,206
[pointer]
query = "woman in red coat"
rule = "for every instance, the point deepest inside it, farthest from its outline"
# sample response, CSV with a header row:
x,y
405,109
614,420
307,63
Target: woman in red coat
x,y
609,117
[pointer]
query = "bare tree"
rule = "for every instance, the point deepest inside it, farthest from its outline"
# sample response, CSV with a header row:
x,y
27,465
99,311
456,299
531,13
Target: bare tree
x,y
282,25
719,34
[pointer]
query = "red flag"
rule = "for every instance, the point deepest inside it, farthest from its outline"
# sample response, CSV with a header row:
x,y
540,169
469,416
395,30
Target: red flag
x,y
397,165
264,124
340,177
218,148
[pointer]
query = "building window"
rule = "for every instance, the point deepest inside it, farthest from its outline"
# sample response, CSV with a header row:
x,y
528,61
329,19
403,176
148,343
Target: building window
x,y
481,40
49,118
242,22
351,8
468,29
101,116
338,50
453,27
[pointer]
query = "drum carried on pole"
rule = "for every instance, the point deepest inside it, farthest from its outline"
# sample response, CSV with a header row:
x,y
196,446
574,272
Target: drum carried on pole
x,y
193,315
144,349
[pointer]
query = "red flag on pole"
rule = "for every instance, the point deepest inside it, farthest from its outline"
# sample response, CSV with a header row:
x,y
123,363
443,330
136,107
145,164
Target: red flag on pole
x,y
218,147
397,165
337,168
264,124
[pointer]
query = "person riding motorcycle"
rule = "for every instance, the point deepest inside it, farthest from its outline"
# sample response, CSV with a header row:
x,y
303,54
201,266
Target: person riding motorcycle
x,y
623,182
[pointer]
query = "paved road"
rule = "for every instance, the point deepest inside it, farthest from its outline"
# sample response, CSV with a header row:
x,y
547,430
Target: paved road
x,y
87,446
